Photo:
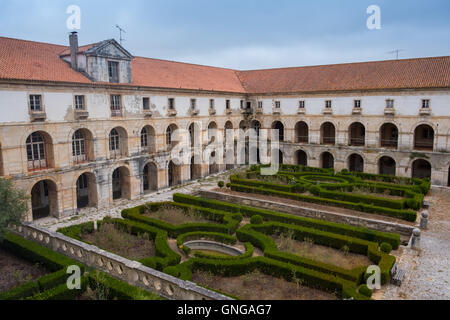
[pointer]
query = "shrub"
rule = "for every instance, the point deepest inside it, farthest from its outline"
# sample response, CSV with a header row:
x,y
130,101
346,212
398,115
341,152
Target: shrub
x,y
365,290
228,185
256,219
20,292
386,247
220,184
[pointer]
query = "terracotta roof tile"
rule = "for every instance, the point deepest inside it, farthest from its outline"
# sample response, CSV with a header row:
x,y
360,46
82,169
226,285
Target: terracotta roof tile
x,y
391,74
27,60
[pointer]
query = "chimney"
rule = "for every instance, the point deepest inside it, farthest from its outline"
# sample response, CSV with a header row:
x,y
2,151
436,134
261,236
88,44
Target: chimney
x,y
73,40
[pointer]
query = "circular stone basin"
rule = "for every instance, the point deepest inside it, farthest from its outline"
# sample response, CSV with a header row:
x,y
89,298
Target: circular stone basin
x,y
213,246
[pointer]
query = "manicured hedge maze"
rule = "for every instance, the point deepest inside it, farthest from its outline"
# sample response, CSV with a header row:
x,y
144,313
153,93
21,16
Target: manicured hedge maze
x,y
350,190
225,227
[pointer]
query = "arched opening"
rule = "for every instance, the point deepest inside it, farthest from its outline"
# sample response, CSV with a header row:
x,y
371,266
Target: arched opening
x,y
44,199
256,125
213,166
280,155
301,158
357,134
229,154
326,160
389,136
387,166
277,125
121,183
243,125
39,151
196,168
356,163
82,146
424,138
86,191
148,139
118,142
301,132
254,156
150,177
195,135
212,132
170,136
421,169
328,133
174,174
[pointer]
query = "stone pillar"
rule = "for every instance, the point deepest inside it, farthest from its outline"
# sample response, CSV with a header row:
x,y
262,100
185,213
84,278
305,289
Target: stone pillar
x,y
415,240
424,220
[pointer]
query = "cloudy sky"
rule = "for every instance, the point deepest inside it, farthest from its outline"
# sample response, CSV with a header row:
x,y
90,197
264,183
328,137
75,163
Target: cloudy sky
x,y
242,34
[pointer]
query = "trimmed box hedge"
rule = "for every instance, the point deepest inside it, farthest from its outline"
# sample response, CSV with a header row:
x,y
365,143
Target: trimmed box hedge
x,y
268,215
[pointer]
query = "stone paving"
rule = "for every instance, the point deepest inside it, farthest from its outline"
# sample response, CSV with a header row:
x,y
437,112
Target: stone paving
x,y
428,269
91,214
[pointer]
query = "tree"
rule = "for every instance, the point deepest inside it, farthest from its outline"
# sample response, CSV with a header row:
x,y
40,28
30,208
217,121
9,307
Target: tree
x,y
13,206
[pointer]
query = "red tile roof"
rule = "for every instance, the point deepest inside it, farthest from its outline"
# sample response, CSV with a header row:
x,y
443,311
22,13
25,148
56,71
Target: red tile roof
x,y
391,74
27,60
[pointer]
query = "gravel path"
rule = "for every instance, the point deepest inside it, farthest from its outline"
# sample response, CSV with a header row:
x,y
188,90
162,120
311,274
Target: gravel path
x,y
428,269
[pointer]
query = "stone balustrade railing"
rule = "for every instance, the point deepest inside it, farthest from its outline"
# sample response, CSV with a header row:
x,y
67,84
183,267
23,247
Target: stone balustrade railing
x,y
132,272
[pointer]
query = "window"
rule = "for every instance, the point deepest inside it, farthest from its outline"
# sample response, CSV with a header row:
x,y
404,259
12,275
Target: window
x,y
79,103
328,104
146,103
193,103
35,102
114,140
144,138
171,103
227,104
357,104
425,104
277,104
113,69
115,105
78,146
169,132
36,151
389,103
260,104
301,104
211,103
242,104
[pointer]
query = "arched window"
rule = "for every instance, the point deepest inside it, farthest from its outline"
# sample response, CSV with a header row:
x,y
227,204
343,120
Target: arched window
x,y
144,138
169,133
79,147
424,138
114,140
36,151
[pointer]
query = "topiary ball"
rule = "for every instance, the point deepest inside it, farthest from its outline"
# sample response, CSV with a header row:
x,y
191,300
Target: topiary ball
x,y
365,290
386,247
221,184
256,219
228,185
